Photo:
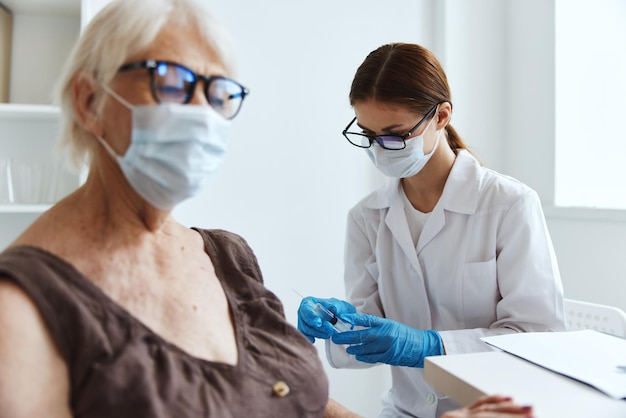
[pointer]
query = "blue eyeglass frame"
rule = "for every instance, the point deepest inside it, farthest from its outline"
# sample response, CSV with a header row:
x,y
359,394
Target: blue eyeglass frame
x,y
152,65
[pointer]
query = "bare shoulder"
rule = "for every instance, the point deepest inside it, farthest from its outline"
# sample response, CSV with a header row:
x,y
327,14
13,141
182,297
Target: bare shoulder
x,y
15,308
43,232
33,376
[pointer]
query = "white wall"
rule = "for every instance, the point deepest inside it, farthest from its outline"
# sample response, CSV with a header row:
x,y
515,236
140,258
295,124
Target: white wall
x,y
500,61
591,249
290,176
50,39
590,244
472,50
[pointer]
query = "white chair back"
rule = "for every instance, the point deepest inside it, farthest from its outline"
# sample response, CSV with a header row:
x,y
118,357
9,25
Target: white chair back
x,y
586,315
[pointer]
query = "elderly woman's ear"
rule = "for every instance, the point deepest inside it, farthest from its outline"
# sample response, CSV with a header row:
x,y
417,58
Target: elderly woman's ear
x,y
84,90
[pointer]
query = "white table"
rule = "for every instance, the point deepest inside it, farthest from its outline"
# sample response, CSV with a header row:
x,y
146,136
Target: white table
x,y
464,377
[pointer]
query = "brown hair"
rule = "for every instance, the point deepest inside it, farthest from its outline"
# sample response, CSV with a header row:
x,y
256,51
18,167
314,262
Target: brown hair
x,y
407,75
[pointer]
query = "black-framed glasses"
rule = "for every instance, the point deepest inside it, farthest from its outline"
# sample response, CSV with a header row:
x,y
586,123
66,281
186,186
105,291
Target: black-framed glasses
x,y
391,142
171,82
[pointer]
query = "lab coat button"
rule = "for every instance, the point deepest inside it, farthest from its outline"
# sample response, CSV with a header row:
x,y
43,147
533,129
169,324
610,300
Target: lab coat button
x,y
431,398
280,389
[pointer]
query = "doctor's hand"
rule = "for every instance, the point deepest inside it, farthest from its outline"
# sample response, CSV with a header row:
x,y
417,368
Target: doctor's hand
x,y
388,341
315,324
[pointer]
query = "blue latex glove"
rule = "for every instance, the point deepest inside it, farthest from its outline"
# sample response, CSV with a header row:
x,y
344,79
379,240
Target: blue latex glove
x,y
388,341
316,325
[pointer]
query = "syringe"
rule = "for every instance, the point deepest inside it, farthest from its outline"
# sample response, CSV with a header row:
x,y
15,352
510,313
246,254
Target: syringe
x,y
326,315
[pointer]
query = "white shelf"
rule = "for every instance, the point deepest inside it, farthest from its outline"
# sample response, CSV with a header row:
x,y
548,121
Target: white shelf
x,y
17,208
44,7
15,111
43,35
584,214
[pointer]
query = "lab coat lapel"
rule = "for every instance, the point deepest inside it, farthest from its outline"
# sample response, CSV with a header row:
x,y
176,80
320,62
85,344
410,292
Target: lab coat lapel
x,y
433,225
460,195
399,227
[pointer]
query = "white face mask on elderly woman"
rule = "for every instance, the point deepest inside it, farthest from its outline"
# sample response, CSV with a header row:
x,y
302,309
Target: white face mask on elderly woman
x,y
175,150
405,162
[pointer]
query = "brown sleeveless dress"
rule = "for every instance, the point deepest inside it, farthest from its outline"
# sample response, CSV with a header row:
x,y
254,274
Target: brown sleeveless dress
x,y
120,368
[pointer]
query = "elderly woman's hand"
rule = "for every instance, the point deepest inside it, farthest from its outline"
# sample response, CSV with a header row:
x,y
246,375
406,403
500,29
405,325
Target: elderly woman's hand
x,y
494,406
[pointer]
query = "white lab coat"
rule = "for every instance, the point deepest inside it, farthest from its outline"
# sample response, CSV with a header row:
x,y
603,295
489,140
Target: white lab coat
x,y
484,265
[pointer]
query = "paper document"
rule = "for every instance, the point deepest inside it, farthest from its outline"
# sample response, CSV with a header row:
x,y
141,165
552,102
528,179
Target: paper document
x,y
591,357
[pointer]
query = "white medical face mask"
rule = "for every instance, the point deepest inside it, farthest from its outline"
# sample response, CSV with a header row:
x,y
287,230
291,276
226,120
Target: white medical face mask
x,y
402,163
175,150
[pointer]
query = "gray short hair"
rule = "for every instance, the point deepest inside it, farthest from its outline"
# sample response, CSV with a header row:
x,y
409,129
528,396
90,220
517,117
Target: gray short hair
x,y
121,29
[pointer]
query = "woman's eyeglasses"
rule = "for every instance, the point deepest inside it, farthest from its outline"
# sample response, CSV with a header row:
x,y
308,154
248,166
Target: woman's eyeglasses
x,y
174,83
391,142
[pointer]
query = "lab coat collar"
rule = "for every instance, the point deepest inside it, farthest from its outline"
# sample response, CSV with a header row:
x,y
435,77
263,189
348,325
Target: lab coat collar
x,y
460,194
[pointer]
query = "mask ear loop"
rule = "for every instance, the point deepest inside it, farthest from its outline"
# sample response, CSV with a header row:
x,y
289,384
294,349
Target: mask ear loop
x,y
107,147
123,102
116,96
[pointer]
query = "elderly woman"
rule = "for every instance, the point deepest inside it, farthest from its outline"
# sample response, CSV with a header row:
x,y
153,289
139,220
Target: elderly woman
x,y
108,306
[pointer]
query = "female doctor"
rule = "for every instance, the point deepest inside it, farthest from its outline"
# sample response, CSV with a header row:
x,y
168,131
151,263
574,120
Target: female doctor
x,y
446,252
